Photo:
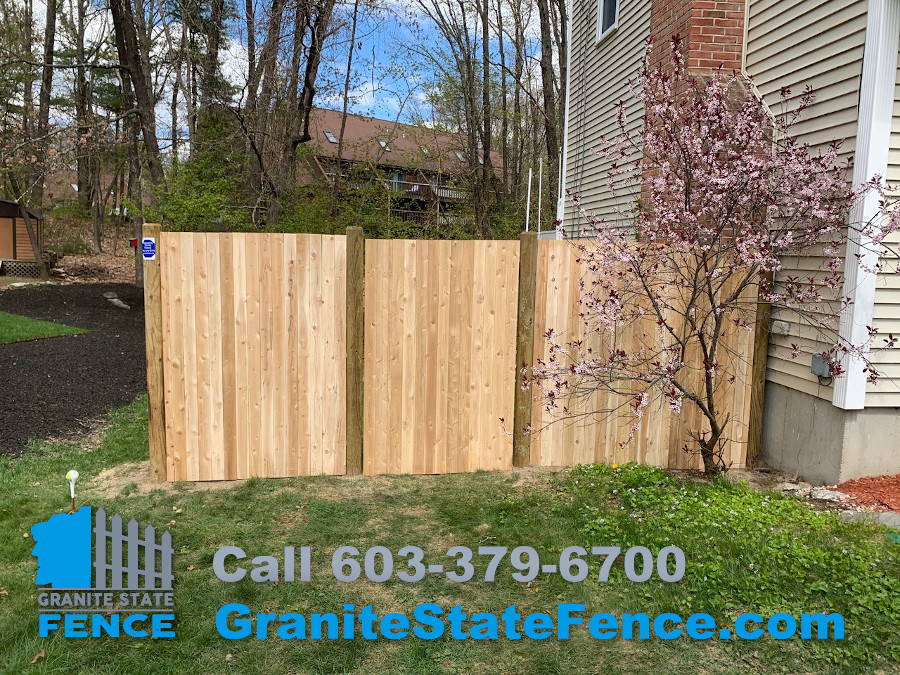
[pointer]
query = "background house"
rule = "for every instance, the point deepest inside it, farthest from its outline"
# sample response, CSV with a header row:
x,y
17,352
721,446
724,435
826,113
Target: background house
x,y
826,429
424,171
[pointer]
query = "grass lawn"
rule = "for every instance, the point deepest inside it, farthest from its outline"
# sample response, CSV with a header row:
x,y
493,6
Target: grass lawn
x,y
746,551
15,328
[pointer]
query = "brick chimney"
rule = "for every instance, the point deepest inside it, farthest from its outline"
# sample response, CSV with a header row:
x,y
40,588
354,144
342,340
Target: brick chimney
x,y
712,32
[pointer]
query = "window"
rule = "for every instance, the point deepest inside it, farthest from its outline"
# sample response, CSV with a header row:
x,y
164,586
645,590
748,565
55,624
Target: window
x,y
331,137
607,17
384,146
425,151
460,157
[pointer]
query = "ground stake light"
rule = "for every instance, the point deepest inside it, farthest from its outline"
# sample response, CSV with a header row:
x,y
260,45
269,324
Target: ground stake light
x,y
72,476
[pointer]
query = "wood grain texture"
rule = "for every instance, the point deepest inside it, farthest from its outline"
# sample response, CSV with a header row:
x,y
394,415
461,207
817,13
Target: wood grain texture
x,y
254,335
440,320
758,379
153,329
251,337
588,433
356,248
524,346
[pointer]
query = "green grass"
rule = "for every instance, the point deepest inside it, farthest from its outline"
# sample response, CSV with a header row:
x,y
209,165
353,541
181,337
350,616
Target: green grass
x,y
801,560
15,328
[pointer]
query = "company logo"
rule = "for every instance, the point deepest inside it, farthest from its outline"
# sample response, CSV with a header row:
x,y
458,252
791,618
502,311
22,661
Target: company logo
x,y
104,580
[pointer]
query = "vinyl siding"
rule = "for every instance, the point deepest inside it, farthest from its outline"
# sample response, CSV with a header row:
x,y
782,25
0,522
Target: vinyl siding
x,y
792,44
886,391
599,79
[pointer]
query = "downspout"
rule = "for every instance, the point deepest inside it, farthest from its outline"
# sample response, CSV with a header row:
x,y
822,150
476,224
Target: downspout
x,y
561,202
873,140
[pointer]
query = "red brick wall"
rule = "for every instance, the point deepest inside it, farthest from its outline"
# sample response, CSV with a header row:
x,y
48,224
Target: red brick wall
x,y
712,32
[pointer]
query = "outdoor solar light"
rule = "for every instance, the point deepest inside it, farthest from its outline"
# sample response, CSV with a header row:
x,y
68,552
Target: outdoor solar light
x,y
72,476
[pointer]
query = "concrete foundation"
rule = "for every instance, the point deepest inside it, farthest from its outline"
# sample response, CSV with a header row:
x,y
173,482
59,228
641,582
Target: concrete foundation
x,y
808,436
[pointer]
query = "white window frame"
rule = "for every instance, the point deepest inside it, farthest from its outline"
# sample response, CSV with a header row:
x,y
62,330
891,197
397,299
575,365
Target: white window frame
x,y
601,34
330,137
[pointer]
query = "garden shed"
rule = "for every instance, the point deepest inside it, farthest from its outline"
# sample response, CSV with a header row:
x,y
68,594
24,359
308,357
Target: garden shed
x,y
16,252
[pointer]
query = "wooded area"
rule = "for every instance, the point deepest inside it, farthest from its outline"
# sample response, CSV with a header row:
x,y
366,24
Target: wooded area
x,y
197,112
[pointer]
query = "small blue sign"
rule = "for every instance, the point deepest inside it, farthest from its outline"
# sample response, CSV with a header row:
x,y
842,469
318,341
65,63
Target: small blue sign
x,y
148,248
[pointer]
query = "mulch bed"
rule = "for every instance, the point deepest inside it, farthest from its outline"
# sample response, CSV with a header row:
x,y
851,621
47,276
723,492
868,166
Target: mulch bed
x,y
59,387
881,492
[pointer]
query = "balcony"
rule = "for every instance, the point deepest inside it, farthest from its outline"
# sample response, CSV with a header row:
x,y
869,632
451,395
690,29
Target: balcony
x,y
422,190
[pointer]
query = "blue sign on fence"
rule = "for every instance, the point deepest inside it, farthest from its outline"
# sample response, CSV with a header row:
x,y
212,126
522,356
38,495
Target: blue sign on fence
x,y
148,248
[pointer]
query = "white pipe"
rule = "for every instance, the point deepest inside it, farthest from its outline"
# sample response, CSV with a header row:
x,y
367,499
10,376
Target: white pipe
x,y
563,161
528,204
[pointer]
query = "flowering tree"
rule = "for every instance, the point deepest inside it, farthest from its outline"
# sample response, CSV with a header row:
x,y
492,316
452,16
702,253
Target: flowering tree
x,y
726,193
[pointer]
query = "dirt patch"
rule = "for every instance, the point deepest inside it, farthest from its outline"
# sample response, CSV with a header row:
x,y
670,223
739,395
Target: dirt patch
x,y
764,478
881,493
761,478
134,478
99,267
60,387
534,476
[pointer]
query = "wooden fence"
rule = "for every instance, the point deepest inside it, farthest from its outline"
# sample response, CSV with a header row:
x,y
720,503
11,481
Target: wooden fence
x,y
253,354
283,355
583,437
440,355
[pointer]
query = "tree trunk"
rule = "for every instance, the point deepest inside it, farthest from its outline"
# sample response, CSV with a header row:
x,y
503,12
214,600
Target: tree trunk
x,y
257,106
299,132
250,19
336,188
504,138
130,56
134,192
549,84
43,121
487,170
28,84
82,118
209,85
519,69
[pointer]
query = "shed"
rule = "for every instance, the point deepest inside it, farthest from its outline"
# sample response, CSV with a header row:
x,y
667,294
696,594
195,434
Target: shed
x,y
15,245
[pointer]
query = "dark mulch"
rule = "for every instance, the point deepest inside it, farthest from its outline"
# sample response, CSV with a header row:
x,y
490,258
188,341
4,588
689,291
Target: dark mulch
x,y
58,387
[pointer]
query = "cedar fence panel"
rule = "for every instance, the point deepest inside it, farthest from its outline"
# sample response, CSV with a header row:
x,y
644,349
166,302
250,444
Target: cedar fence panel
x,y
254,354
247,343
588,436
440,343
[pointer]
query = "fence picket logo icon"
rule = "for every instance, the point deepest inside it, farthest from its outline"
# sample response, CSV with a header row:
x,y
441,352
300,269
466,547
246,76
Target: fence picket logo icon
x,y
98,571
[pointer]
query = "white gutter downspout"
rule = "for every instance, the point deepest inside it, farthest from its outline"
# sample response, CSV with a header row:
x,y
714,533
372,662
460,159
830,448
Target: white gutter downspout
x,y
561,202
873,140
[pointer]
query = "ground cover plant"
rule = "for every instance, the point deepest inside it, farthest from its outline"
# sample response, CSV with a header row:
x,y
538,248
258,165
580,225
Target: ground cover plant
x,y
15,328
746,551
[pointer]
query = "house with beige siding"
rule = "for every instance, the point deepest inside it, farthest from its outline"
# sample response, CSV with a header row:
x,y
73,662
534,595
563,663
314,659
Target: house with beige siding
x,y
826,429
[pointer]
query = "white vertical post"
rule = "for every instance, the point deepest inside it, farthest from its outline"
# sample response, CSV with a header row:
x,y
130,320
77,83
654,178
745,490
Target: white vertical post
x,y
540,191
876,102
528,203
564,158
